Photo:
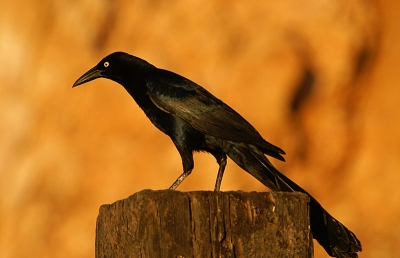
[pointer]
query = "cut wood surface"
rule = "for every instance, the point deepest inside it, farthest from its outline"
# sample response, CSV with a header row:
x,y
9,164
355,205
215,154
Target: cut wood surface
x,y
169,223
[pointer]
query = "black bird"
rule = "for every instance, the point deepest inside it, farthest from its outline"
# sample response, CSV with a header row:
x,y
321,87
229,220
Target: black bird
x,y
196,120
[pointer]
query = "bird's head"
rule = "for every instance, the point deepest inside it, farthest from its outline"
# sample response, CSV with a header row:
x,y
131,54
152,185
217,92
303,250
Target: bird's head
x,y
118,66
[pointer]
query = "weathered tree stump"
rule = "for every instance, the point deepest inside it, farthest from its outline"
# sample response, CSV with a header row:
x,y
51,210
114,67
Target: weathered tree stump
x,y
205,224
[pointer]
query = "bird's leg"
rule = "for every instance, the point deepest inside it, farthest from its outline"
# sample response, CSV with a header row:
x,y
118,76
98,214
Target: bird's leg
x,y
188,165
221,160
179,180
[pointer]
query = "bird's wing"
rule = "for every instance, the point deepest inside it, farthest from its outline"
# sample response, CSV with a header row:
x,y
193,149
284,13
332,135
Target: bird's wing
x,y
193,104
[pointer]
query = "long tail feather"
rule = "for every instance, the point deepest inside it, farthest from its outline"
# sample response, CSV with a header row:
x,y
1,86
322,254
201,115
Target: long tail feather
x,y
337,240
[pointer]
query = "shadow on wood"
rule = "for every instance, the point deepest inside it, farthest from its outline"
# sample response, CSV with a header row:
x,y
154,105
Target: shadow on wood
x,y
205,224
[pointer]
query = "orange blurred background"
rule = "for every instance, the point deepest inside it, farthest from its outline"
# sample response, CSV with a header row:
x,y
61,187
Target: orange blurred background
x,y
317,78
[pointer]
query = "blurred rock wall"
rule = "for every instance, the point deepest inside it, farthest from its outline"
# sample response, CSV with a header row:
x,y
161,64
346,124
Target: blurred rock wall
x,y
317,78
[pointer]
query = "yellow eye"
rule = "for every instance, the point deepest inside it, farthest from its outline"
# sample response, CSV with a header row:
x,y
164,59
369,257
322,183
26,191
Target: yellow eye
x,y
106,64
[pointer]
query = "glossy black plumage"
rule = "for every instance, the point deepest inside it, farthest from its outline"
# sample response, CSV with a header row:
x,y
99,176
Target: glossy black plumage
x,y
196,120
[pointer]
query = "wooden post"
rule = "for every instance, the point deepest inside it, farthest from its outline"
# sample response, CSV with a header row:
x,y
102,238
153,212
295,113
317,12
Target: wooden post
x,y
205,224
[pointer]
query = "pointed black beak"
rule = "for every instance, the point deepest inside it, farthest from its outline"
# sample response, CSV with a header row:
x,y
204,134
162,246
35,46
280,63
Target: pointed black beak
x,y
90,75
